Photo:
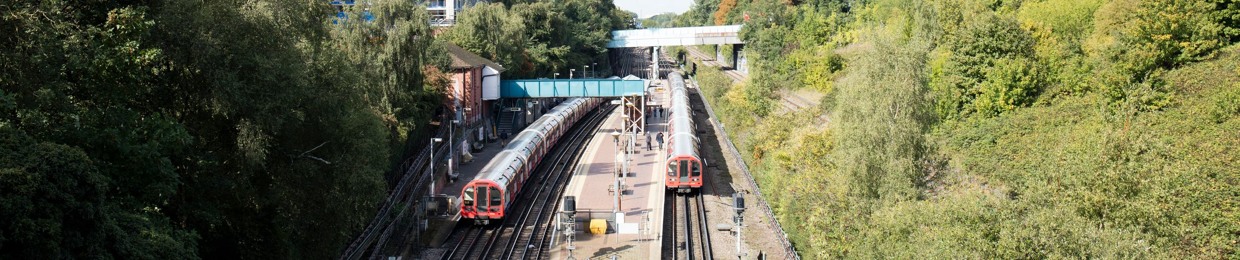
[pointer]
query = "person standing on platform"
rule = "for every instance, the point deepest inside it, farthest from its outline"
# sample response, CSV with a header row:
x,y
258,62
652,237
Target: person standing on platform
x,y
647,142
659,139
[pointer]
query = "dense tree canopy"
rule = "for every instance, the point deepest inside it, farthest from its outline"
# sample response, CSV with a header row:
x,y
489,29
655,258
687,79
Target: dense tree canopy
x,y
538,38
187,129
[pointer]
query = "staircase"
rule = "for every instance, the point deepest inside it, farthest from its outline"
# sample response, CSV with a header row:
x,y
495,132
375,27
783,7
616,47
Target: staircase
x,y
505,122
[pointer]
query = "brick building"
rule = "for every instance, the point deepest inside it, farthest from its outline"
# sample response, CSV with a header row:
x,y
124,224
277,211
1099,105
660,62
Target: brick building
x,y
468,103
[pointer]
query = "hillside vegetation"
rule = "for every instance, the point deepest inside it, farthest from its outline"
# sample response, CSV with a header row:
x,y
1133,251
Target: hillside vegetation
x,y
991,129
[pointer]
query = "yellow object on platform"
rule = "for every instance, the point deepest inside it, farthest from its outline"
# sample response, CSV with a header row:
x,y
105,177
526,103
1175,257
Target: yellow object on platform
x,y
598,226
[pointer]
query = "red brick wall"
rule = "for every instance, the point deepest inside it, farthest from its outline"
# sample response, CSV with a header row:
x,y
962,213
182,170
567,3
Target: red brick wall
x,y
467,87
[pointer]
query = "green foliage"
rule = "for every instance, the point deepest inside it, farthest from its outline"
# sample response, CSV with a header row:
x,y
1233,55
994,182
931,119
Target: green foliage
x,y
879,118
1010,83
1074,129
1227,104
817,68
491,31
1135,40
124,124
56,191
985,69
1059,28
663,20
540,38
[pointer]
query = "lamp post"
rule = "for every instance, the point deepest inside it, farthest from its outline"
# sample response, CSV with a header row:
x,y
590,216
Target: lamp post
x,y
570,73
452,147
592,69
467,124
585,68
615,137
433,141
556,75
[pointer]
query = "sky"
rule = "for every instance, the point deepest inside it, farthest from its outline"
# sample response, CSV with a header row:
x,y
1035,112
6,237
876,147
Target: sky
x,y
648,8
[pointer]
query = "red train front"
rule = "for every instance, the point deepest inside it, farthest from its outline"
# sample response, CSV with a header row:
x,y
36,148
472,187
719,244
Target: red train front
x,y
684,173
483,201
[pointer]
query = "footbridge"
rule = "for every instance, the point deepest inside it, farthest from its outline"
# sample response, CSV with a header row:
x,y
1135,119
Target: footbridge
x,y
678,36
632,93
561,88
682,36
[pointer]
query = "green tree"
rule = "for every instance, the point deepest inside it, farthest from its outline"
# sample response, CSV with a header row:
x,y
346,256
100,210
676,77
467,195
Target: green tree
x,y
966,64
879,119
86,165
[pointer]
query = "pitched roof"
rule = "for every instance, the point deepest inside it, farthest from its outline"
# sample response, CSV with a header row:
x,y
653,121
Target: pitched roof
x,y
463,59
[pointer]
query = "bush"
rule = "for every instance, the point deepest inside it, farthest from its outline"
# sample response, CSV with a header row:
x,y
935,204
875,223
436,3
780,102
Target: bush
x,y
985,69
1010,83
1135,39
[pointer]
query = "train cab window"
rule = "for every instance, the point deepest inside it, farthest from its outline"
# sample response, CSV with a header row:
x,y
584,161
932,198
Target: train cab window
x,y
684,168
496,199
481,195
467,197
697,169
671,168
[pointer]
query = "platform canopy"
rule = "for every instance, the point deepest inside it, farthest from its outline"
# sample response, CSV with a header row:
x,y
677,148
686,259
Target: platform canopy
x,y
545,88
678,36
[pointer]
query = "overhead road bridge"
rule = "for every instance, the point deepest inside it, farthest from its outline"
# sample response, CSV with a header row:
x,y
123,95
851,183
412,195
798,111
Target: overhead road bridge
x,y
679,36
682,36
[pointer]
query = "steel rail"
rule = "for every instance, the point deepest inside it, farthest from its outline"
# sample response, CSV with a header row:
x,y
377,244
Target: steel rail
x,y
564,165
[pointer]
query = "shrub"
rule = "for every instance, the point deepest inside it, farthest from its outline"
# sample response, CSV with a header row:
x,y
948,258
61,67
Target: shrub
x,y
1135,39
991,58
1010,83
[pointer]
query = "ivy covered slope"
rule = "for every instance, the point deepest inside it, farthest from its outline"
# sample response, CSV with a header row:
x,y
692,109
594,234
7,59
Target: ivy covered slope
x,y
991,129
191,129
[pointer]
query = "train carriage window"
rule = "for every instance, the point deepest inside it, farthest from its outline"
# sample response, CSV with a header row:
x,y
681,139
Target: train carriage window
x,y
497,199
468,196
697,169
512,195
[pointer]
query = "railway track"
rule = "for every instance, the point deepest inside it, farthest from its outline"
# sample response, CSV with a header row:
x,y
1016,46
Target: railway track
x,y
793,102
708,60
535,220
690,231
523,233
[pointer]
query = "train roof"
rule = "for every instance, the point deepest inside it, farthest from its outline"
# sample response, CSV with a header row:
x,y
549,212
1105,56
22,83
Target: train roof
x,y
501,168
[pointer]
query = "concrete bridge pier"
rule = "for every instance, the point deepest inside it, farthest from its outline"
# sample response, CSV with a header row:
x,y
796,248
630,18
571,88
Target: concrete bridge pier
x,y
654,61
739,63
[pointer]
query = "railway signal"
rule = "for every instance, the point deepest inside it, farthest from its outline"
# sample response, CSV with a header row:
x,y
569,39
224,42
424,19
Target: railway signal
x,y
738,204
569,223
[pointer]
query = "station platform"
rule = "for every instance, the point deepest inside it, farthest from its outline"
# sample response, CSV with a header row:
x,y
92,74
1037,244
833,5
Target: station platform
x,y
634,233
469,170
